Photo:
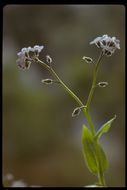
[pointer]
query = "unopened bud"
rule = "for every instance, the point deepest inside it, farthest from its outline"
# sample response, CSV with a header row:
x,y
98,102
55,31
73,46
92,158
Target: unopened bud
x,y
48,59
102,84
88,59
47,81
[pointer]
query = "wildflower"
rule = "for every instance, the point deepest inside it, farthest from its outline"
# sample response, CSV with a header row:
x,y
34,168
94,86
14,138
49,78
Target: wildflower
x,y
107,44
21,61
25,58
37,49
102,84
88,59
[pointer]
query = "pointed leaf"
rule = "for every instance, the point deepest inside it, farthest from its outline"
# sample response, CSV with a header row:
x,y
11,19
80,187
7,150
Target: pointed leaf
x,y
104,128
101,157
89,150
94,154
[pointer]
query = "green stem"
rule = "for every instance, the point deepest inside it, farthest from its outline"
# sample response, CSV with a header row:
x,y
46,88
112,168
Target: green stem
x,y
94,81
89,119
100,173
53,73
101,179
88,116
86,109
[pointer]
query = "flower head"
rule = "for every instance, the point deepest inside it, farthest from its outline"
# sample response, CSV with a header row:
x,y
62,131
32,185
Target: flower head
x,y
38,48
107,44
25,58
21,61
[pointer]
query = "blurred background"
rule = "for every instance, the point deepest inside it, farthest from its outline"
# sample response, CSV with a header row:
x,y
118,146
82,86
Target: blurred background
x,y
41,141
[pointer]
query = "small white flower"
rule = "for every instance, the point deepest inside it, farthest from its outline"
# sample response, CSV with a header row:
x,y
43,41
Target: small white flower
x,y
117,42
21,60
24,58
38,48
19,54
107,44
23,50
29,49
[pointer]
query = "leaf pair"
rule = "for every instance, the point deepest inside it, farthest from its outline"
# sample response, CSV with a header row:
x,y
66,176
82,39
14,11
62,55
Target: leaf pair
x,y
93,152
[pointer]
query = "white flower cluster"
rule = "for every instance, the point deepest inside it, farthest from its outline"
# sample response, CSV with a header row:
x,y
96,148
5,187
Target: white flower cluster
x,y
107,44
24,58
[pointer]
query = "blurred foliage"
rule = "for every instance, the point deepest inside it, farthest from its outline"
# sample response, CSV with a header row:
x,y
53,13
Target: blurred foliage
x,y
41,141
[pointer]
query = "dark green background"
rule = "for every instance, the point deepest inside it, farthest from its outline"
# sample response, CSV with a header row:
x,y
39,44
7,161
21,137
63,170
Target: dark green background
x,y
41,141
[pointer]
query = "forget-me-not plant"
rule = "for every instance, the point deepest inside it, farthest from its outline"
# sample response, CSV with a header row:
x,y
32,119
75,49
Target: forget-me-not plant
x,y
93,152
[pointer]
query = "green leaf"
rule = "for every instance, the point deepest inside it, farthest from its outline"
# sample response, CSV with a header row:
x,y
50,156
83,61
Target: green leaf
x,y
104,128
94,154
101,157
89,150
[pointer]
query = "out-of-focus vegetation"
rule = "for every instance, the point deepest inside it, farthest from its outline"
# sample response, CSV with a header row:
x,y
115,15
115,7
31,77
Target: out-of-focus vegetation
x,y
41,141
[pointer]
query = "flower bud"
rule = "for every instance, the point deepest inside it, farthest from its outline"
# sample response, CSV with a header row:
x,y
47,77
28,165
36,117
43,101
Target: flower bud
x,y
102,84
87,59
47,81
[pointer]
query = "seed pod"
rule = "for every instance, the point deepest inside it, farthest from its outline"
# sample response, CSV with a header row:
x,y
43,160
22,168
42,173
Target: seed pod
x,y
48,59
102,84
76,111
47,81
88,59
